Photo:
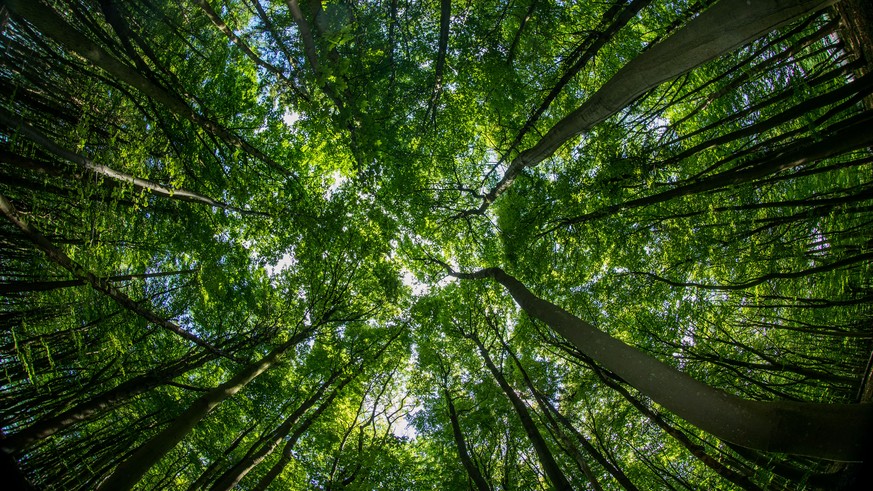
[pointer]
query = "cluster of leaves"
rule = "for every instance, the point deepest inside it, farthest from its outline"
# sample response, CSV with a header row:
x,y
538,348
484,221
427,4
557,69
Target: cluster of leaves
x,y
193,191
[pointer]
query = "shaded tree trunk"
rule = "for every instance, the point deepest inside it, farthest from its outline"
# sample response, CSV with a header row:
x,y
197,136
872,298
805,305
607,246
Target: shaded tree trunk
x,y
47,427
550,467
461,444
129,472
718,30
58,257
827,431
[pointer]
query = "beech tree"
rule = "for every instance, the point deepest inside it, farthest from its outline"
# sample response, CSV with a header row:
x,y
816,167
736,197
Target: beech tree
x,y
492,245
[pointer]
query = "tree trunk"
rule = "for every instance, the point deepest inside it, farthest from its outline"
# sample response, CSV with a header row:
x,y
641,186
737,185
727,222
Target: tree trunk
x,y
472,470
235,474
828,431
58,257
720,29
549,410
49,426
54,26
550,467
129,472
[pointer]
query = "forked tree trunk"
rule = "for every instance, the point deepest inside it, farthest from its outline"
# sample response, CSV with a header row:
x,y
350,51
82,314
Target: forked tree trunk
x,y
829,431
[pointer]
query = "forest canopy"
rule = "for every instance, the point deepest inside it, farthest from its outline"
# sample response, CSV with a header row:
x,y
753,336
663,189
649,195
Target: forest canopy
x,y
408,244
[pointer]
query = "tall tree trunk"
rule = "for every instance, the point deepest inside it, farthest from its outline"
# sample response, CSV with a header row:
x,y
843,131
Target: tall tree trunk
x,y
58,257
47,427
550,467
235,474
129,472
827,431
549,410
460,443
442,47
47,21
720,29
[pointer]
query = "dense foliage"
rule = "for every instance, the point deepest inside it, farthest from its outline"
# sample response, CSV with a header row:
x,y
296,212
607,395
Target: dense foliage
x,y
245,242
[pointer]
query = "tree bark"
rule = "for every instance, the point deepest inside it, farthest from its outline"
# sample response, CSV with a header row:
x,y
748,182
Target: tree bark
x,y
828,431
442,47
550,467
460,443
129,472
720,29
549,410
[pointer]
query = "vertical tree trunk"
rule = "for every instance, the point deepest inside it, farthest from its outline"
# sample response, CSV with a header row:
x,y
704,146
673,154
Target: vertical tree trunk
x,y
550,467
472,470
